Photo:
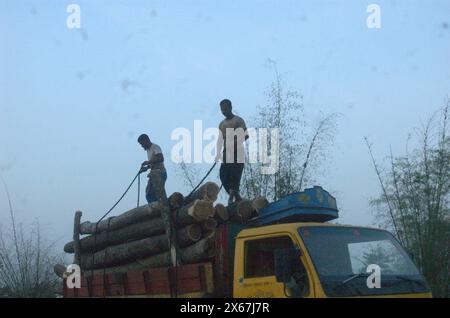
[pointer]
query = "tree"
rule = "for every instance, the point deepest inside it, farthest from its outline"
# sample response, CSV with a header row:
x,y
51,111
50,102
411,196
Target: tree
x,y
26,261
415,198
302,146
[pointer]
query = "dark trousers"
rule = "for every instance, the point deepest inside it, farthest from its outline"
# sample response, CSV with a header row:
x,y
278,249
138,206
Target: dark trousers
x,y
230,176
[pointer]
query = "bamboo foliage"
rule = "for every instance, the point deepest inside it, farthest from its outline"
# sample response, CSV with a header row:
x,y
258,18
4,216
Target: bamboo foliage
x,y
415,199
302,147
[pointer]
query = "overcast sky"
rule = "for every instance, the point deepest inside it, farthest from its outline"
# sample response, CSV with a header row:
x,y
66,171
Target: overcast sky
x,y
72,102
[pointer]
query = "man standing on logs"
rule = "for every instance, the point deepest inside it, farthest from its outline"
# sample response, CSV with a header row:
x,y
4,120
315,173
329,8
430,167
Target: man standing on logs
x,y
233,133
155,162
156,192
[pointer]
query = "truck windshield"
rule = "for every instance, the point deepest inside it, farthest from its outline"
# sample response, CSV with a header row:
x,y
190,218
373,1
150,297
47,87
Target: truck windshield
x,y
342,255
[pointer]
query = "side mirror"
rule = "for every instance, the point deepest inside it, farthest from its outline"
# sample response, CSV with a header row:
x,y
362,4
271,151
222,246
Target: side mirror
x,y
286,261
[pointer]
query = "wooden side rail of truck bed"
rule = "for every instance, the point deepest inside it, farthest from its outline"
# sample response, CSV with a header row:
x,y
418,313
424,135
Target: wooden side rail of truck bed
x,y
193,280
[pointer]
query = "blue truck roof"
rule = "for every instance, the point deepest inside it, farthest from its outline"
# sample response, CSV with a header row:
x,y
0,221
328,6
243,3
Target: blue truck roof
x,y
312,205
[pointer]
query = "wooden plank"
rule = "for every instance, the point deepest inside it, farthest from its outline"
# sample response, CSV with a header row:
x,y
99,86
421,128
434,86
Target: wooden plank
x,y
83,292
135,283
159,279
222,271
189,285
114,290
98,291
76,238
192,278
68,292
166,216
115,278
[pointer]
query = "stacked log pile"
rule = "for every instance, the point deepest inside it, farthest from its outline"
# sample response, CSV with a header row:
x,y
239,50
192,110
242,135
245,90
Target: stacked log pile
x,y
137,238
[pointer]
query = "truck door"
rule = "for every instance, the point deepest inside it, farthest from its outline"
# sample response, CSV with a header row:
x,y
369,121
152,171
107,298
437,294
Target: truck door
x,y
254,274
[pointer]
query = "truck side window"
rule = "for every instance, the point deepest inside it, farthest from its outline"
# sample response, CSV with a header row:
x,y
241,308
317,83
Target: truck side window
x,y
259,255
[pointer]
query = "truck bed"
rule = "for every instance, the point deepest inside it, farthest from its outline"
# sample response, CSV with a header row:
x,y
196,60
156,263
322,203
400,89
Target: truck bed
x,y
211,278
192,280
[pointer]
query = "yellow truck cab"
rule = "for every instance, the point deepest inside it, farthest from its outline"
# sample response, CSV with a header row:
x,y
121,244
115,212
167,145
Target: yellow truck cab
x,y
317,260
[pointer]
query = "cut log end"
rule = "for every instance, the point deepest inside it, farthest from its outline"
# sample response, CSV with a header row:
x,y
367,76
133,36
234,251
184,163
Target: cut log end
x,y
212,190
240,211
221,213
209,224
260,203
69,247
207,191
189,234
194,231
201,210
59,270
245,210
176,200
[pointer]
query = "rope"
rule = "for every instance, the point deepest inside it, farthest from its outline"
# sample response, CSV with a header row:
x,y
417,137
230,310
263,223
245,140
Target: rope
x,y
120,199
139,190
200,183
107,229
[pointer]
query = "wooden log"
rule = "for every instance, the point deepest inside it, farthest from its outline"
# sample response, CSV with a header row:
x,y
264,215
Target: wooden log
x,y
195,212
200,251
176,200
131,233
209,224
207,191
124,253
76,238
240,211
130,217
59,270
259,203
145,219
166,214
189,234
129,252
221,213
209,233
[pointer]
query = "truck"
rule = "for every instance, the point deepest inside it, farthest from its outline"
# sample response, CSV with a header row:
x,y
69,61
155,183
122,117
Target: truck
x,y
291,250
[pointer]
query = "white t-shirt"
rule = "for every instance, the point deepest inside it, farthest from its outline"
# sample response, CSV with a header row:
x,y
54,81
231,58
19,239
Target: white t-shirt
x,y
151,152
